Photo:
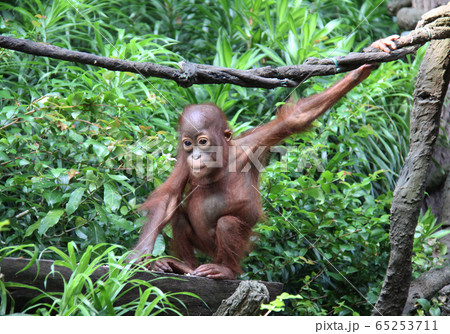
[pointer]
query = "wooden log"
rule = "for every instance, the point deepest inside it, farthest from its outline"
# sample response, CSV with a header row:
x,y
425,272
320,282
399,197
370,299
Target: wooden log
x,y
212,292
246,300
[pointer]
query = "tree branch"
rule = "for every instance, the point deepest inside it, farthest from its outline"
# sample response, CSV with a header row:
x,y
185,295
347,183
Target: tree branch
x,y
436,27
431,87
426,286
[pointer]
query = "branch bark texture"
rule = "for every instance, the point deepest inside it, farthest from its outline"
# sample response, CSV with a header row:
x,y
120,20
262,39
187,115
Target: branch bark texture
x,y
245,301
426,286
266,77
431,86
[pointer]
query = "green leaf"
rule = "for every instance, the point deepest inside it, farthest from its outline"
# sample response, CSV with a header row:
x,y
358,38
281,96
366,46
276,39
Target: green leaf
x,y
117,177
160,246
96,234
327,176
74,200
5,95
440,234
56,172
51,219
4,156
52,197
435,311
122,180
32,228
121,222
326,188
282,10
336,159
276,59
99,149
276,189
316,193
112,198
224,49
424,303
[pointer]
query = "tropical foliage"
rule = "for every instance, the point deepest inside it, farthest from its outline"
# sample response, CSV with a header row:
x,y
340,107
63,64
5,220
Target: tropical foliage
x,y
81,147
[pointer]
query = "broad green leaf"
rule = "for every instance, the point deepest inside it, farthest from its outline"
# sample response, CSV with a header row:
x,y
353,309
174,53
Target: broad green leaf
x,y
4,156
56,172
435,311
277,188
121,222
99,149
51,219
327,176
32,228
74,200
316,193
111,197
52,197
96,234
118,177
440,234
122,180
160,246
5,95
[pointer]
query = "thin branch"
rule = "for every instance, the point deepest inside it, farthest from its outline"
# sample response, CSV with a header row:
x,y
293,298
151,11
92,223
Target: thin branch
x,y
434,27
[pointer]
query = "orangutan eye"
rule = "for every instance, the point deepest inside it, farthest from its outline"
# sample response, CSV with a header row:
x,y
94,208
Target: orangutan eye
x,y
187,143
203,141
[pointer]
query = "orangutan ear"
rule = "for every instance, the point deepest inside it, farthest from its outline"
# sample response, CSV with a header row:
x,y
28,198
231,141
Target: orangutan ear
x,y
228,134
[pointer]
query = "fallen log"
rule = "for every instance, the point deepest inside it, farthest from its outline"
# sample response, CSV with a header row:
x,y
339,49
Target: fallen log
x,y
212,292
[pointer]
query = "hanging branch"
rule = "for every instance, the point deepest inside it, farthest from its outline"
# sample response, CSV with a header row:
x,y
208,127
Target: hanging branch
x,y
435,27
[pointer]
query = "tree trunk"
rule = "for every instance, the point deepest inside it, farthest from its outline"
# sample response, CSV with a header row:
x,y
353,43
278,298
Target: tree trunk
x,y
438,183
431,86
439,190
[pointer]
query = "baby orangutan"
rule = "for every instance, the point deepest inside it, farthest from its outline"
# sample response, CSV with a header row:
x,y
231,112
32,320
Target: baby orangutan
x,y
211,197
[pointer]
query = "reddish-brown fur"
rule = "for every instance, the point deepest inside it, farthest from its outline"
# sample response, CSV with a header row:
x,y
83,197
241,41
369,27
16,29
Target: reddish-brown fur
x,y
213,209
